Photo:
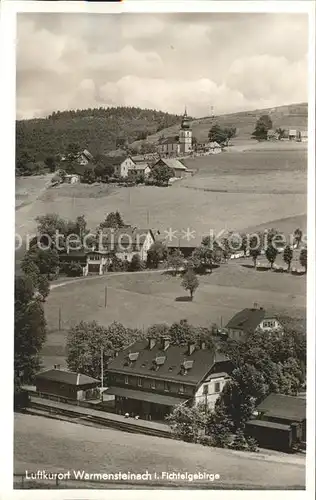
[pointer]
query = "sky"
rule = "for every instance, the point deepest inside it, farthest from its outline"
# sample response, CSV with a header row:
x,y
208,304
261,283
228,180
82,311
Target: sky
x,y
230,61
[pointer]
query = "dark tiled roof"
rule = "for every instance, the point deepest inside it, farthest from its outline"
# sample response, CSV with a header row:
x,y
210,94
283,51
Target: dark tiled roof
x,y
66,377
170,140
203,361
182,242
247,320
117,160
285,407
124,237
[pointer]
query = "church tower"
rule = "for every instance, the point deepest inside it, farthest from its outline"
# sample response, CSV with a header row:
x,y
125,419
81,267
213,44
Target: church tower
x,y
185,136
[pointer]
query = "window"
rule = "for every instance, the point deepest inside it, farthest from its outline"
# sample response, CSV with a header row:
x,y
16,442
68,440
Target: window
x,y
140,382
205,389
153,384
126,379
181,388
268,324
217,387
167,386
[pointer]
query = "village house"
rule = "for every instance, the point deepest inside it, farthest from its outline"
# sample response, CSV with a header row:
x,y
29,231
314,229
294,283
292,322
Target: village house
x,y
185,245
67,384
293,134
124,243
140,168
84,157
122,165
72,179
212,147
178,168
151,377
303,136
279,423
248,321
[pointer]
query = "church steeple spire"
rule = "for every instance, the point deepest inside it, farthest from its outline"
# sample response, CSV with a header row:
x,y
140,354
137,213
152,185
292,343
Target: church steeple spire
x,y
185,122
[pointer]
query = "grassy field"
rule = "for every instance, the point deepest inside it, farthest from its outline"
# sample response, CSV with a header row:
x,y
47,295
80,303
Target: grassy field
x,y
233,190
139,300
53,445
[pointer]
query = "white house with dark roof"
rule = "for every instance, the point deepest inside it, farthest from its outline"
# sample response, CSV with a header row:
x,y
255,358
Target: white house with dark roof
x,y
250,320
124,243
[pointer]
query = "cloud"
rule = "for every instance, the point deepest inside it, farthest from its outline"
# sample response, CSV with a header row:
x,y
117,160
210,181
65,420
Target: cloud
x,y
229,61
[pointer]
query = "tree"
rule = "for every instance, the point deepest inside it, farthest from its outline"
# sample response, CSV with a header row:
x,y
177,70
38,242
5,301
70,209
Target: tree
x,y
88,176
43,287
47,261
31,270
161,174
50,224
217,134
254,250
113,220
230,133
51,163
187,422
85,340
29,331
288,256
263,124
271,254
219,426
303,258
202,258
136,263
298,236
175,261
190,282
281,132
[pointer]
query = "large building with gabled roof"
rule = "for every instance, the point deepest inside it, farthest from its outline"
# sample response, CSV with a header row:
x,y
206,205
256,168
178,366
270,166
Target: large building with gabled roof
x,y
150,377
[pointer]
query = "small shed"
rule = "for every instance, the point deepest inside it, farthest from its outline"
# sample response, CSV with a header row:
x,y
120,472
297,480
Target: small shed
x,y
67,384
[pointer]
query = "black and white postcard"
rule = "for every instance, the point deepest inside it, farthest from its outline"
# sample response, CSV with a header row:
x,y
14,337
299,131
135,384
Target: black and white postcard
x,y
159,331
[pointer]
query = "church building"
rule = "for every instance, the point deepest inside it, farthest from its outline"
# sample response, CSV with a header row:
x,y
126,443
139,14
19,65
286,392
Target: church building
x,y
178,145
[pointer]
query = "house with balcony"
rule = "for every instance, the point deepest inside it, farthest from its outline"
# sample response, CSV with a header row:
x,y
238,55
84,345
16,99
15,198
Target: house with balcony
x,y
250,320
152,376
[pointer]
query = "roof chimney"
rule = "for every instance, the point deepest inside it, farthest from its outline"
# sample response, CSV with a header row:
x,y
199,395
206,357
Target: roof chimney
x,y
255,305
191,348
151,343
165,342
78,377
202,344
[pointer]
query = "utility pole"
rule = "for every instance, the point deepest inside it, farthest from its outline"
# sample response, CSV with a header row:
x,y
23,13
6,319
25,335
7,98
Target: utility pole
x,y
59,319
102,372
105,296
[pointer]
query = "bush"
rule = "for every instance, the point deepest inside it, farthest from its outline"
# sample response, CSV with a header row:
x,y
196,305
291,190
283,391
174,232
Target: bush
x,y
71,269
136,264
206,441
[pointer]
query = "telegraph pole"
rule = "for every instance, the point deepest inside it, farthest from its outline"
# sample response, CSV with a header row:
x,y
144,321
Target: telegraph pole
x,y
59,319
105,296
102,372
